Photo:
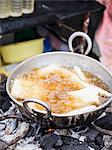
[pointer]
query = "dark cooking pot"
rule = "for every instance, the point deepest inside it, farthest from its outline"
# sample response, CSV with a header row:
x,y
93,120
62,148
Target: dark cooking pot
x,y
68,59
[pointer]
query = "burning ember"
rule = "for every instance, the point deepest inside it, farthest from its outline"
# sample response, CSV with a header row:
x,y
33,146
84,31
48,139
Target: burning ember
x,y
18,133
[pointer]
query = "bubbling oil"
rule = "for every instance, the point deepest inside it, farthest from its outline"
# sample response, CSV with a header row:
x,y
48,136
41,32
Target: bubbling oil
x,y
55,86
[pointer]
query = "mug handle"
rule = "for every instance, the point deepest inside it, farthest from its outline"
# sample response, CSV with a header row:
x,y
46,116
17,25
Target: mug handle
x,y
39,102
82,34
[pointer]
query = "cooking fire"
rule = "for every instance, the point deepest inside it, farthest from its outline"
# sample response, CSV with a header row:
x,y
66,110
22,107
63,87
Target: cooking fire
x,y
17,132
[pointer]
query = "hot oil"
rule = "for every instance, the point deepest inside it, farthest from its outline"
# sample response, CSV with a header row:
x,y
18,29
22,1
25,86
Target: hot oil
x,y
56,85
92,79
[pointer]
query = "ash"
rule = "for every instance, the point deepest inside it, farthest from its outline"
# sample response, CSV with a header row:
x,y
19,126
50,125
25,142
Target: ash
x,y
18,133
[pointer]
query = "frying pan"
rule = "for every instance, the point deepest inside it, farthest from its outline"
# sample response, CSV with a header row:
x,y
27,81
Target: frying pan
x,y
69,59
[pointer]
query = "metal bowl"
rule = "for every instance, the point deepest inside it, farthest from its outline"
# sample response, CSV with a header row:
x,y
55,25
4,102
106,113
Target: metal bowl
x,y
62,59
68,59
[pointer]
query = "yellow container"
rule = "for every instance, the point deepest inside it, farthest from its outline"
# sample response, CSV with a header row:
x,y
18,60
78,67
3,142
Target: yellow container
x,y
17,52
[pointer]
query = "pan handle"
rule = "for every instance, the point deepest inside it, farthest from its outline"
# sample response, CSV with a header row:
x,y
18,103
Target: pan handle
x,y
37,101
82,34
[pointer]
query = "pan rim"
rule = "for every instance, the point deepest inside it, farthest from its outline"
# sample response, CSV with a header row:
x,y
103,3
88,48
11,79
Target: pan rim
x,y
62,53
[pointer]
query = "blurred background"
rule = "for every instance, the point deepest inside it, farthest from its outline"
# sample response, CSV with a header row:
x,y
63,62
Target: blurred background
x,y
31,27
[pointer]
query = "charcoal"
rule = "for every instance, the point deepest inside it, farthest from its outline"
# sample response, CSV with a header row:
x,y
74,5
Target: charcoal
x,y
75,147
107,142
105,122
70,140
58,143
2,126
5,106
70,143
48,141
93,145
1,101
3,145
79,128
110,148
2,90
4,98
32,131
16,135
91,135
107,148
99,140
53,141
